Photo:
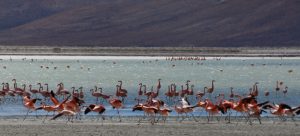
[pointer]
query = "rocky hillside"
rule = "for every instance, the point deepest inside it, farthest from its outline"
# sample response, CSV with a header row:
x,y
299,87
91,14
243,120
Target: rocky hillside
x,y
225,23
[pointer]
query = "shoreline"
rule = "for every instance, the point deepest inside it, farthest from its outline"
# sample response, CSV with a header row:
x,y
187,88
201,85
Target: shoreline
x,y
130,128
151,51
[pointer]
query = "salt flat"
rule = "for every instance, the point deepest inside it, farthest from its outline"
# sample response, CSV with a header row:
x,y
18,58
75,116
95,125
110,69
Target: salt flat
x,y
29,127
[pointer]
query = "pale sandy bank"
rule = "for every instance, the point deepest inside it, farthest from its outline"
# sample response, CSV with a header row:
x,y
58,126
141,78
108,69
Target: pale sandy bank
x,y
87,127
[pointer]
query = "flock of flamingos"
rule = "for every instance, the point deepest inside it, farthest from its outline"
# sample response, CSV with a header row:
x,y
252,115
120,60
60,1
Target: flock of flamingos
x,y
70,103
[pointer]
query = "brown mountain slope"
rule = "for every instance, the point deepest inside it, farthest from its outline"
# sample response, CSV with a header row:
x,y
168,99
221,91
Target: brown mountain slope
x,y
18,12
165,23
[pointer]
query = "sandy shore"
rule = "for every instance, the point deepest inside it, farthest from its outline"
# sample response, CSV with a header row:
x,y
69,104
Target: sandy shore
x,y
14,126
152,51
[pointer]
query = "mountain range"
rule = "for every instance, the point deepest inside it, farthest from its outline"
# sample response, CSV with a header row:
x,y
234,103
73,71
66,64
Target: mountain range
x,y
150,23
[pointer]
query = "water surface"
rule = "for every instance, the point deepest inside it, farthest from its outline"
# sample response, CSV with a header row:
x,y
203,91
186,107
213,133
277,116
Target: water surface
x,y
105,72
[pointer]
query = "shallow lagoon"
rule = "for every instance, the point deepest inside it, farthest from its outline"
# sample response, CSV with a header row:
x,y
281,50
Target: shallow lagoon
x,y
105,71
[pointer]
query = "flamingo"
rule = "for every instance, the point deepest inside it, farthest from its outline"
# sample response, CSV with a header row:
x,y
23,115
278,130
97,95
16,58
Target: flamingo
x,y
103,96
68,113
164,112
138,107
81,94
158,85
239,106
4,88
150,111
61,91
278,110
140,92
199,95
10,92
277,87
95,93
20,91
155,94
256,110
254,92
191,92
121,89
187,108
211,90
185,91
73,105
285,91
179,111
116,104
2,94
148,94
75,92
267,93
173,90
59,106
29,104
47,108
120,93
95,108
44,93
33,91
15,86
226,107
169,94
211,109
231,93
293,112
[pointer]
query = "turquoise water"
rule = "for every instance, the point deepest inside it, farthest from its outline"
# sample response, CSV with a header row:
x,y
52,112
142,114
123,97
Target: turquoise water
x,y
239,73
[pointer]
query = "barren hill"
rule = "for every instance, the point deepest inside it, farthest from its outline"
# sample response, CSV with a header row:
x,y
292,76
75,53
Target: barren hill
x,y
151,23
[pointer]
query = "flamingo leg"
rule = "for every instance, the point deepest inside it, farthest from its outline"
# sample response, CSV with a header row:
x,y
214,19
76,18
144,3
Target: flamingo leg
x,y
159,118
119,115
229,113
177,117
72,118
218,119
68,119
139,121
36,116
165,119
236,115
182,118
259,119
79,116
152,121
208,116
102,119
293,119
45,117
26,114
194,117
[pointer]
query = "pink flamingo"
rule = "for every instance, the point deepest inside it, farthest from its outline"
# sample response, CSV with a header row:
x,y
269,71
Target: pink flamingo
x,y
120,93
62,91
15,86
44,93
33,91
95,93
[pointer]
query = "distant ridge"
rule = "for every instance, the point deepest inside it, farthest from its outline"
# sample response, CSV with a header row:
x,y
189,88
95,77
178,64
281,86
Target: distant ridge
x,y
151,23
